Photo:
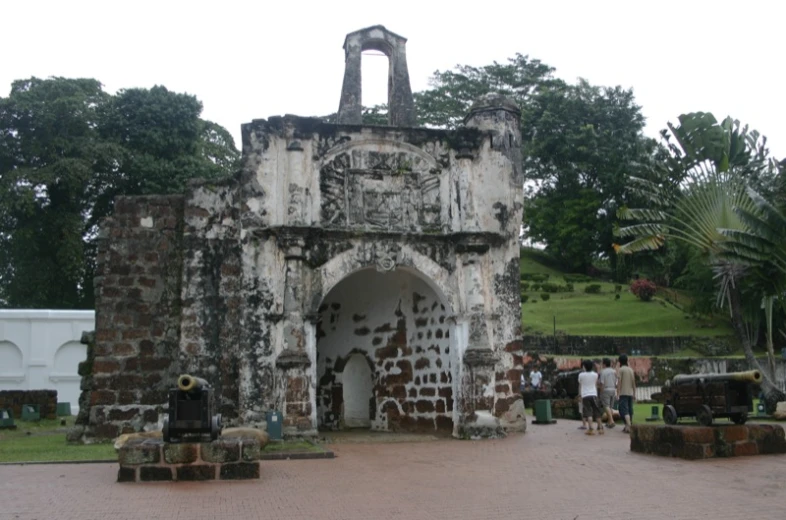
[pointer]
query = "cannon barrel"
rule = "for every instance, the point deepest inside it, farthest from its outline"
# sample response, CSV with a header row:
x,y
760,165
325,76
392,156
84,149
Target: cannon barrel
x,y
750,376
188,383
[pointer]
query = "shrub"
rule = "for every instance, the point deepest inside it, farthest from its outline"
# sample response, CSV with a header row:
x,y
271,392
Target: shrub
x,y
577,278
534,277
535,287
545,296
593,288
569,287
549,287
617,296
524,286
524,298
617,288
643,289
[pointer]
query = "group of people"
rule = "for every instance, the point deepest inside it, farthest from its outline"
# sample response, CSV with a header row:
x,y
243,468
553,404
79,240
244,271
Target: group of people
x,y
601,391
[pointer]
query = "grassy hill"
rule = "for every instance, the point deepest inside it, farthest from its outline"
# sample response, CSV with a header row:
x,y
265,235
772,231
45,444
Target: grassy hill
x,y
602,314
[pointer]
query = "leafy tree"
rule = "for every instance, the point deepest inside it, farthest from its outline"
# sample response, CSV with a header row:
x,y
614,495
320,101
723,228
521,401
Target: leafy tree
x,y
715,162
67,148
579,143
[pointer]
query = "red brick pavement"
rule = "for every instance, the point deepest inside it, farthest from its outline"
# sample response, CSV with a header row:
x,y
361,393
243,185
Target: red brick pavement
x,y
552,472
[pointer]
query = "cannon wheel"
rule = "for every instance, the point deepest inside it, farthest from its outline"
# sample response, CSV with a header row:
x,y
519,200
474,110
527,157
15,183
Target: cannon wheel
x,y
739,418
165,429
215,427
669,414
704,415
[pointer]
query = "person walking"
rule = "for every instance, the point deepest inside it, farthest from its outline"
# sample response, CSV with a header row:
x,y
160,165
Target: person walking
x,y
588,383
608,391
626,391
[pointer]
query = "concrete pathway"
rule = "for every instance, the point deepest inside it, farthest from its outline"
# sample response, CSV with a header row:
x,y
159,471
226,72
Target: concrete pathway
x,y
552,472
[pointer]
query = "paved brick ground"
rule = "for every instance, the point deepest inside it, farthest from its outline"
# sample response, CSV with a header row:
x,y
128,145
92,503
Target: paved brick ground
x,y
552,472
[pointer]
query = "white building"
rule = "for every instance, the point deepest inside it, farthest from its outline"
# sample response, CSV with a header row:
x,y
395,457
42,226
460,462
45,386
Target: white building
x,y
41,350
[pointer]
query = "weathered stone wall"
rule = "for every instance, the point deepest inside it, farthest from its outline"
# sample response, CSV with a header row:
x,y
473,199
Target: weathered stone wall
x,y
211,298
638,345
15,399
138,279
398,325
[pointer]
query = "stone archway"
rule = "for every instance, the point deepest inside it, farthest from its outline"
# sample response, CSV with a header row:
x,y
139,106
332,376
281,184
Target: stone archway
x,y
398,325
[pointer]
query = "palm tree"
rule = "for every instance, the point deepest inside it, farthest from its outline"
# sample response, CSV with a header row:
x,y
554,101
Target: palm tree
x,y
701,196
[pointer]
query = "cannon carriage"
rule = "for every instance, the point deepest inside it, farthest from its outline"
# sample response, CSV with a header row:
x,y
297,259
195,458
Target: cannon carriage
x,y
708,396
191,411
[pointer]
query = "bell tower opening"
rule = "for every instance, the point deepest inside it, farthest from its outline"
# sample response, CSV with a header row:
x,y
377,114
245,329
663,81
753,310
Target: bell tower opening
x,y
401,106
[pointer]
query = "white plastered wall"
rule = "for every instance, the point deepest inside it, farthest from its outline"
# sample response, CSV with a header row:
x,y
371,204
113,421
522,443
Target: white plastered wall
x,y
41,350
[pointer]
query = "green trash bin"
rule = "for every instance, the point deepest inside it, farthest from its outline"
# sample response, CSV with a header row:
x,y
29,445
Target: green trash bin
x,y
31,412
274,425
7,418
63,409
543,411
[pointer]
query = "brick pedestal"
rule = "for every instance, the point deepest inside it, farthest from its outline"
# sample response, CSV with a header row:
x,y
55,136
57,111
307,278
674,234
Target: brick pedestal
x,y
700,442
145,460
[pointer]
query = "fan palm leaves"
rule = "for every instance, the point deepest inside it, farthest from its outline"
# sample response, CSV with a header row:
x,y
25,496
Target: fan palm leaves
x,y
702,195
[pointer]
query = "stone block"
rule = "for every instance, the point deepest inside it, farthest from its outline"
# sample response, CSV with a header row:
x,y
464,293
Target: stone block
x,y
239,471
252,451
196,472
126,474
155,473
181,453
694,451
134,453
220,451
698,435
731,434
747,448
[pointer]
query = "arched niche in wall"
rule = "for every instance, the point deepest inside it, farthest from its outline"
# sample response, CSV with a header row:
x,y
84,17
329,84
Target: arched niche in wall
x,y
11,363
67,359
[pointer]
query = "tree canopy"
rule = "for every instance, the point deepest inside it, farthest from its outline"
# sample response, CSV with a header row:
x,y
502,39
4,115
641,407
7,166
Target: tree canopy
x,y
67,148
579,143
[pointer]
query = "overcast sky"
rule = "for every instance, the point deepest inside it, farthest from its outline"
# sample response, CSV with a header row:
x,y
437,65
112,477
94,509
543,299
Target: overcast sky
x,y
248,60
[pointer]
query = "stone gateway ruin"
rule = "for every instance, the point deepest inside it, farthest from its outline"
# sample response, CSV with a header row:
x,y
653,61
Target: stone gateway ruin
x,y
348,276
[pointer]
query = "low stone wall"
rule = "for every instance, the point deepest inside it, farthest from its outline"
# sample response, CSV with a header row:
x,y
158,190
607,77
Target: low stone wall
x,y
15,399
699,442
631,345
145,460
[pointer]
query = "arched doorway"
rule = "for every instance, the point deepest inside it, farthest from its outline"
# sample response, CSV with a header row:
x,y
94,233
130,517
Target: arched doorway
x,y
384,342
358,391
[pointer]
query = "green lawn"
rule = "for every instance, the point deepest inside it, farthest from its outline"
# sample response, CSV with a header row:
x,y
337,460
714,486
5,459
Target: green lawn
x,y
579,313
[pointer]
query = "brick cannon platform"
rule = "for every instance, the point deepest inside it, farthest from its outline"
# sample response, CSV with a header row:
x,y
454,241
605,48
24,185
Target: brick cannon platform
x,y
705,442
144,460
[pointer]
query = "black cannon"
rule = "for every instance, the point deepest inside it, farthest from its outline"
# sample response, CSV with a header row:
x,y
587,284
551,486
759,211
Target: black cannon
x,y
191,411
706,396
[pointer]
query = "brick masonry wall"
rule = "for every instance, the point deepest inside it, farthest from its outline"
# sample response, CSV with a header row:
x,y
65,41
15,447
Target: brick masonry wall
x,y
699,442
405,339
15,399
138,279
154,460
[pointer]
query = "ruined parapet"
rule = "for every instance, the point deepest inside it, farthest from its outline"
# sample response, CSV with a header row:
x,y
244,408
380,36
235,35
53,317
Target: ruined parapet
x,y
401,107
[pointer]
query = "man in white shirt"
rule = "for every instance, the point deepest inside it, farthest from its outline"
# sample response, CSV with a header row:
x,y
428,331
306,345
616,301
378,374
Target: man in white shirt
x,y
588,388
535,377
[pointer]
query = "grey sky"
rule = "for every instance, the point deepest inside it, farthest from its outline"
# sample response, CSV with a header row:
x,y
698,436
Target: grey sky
x,y
248,60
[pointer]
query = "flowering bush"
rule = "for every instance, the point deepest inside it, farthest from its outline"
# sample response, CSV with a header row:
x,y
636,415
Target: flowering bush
x,y
643,289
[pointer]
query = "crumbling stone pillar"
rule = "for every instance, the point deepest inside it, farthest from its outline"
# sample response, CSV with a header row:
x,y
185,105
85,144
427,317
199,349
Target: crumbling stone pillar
x,y
401,106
